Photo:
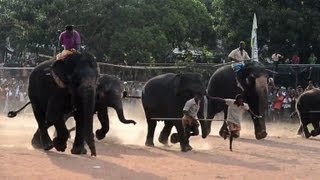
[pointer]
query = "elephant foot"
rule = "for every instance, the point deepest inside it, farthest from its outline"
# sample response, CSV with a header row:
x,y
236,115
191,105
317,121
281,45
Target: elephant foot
x,y
162,139
36,141
314,133
186,148
174,138
59,145
78,150
261,135
149,142
48,146
100,134
224,133
47,143
36,144
307,135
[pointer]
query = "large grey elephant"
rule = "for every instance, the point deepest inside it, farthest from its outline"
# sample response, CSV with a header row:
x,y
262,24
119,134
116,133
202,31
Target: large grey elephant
x,y
59,87
308,109
164,96
108,94
251,81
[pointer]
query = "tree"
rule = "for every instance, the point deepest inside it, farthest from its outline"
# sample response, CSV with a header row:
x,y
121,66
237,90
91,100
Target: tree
x,y
123,30
286,26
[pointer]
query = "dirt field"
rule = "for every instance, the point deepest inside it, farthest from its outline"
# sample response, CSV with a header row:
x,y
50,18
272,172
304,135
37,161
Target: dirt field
x,y
122,155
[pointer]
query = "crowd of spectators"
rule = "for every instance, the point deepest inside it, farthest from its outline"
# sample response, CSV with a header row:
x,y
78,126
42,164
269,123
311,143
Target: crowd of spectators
x,y
281,101
13,90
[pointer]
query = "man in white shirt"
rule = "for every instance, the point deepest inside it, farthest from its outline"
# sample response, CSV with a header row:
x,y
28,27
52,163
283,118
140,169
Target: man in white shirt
x,y
275,58
239,54
190,119
236,109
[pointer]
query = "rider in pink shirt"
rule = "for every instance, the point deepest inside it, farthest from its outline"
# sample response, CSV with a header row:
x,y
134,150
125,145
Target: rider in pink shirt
x,y
70,39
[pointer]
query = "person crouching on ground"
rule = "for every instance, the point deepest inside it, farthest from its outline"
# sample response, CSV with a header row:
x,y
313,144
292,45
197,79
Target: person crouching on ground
x,y
190,120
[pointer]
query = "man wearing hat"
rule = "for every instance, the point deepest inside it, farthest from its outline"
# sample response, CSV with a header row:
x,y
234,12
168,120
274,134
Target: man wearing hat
x,y
70,39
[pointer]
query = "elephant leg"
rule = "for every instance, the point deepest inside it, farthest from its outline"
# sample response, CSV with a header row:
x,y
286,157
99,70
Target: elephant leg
x,y
45,139
304,118
306,131
224,128
300,130
164,135
151,128
60,141
78,145
104,121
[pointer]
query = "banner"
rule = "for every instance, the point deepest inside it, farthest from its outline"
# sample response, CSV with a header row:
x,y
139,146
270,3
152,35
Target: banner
x,y
254,43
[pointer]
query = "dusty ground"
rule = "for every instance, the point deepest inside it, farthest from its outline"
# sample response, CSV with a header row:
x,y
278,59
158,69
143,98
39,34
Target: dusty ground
x,y
122,155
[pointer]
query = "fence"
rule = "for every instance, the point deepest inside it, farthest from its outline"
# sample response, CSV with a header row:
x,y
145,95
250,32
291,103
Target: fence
x,y
14,80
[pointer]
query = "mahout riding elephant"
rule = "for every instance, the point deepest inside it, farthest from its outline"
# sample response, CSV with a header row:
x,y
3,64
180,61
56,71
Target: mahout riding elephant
x,y
251,81
308,109
59,87
164,96
108,94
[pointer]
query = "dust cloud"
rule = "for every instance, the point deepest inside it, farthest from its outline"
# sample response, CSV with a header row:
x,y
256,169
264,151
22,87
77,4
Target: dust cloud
x,y
25,125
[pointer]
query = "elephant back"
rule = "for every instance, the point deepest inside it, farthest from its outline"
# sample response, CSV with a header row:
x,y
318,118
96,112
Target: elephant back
x,y
158,90
309,101
222,83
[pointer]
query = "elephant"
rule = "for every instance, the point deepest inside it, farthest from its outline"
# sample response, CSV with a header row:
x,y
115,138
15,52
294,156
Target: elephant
x,y
57,87
251,81
308,110
164,96
108,94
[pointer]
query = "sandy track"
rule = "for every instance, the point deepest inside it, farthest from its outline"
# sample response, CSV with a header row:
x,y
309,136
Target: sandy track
x,y
122,155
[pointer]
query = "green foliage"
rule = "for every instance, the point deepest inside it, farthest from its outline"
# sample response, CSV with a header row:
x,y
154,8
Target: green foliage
x,y
147,30
285,26
123,30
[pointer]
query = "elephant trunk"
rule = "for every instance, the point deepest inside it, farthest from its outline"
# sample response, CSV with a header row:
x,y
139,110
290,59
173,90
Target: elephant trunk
x,y
262,92
203,113
119,110
87,110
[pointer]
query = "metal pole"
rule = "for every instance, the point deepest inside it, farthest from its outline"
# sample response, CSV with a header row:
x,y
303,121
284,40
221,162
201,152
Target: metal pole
x,y
179,119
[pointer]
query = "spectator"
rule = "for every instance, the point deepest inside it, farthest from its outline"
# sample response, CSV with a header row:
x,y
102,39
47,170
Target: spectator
x,y
286,105
277,104
276,58
271,85
312,59
295,59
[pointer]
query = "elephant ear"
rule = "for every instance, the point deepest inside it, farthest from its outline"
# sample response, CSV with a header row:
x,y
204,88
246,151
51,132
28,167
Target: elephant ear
x,y
61,73
176,84
250,79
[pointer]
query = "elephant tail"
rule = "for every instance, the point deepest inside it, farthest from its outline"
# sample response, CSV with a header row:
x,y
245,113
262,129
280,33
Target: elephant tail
x,y
12,114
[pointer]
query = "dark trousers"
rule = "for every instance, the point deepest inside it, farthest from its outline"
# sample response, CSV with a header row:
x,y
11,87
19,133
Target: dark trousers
x,y
191,130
